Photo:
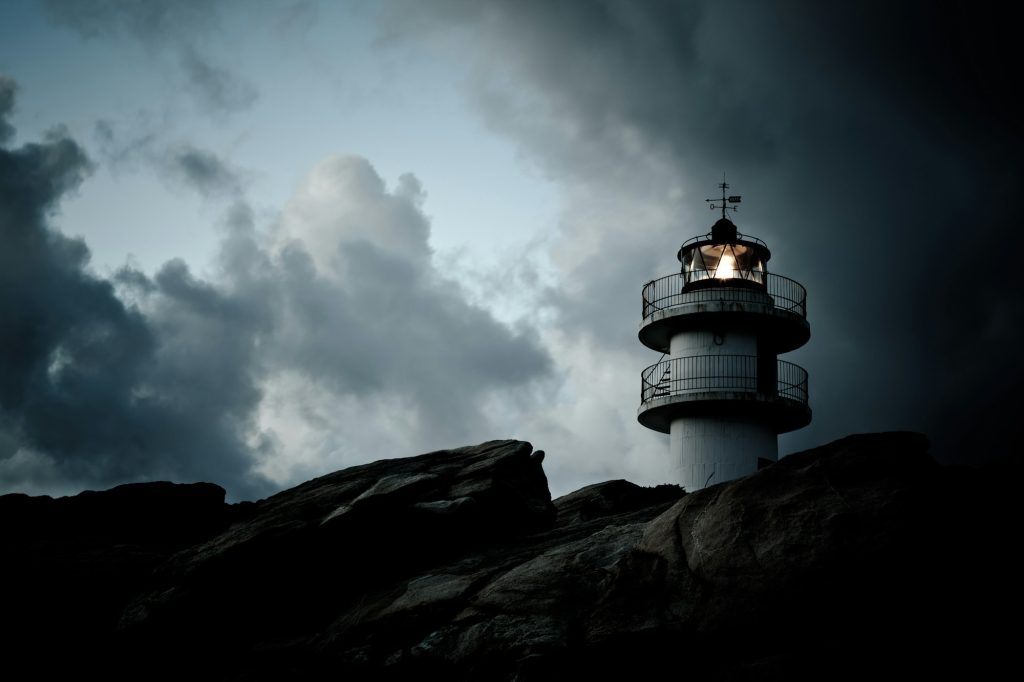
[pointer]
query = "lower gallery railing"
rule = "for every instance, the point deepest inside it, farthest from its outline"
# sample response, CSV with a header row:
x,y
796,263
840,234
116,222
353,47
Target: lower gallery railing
x,y
740,373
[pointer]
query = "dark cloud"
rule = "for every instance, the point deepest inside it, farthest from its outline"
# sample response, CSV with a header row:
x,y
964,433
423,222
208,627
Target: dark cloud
x,y
116,152
7,92
344,296
201,171
165,376
361,310
155,21
876,146
89,393
140,146
181,26
297,18
215,87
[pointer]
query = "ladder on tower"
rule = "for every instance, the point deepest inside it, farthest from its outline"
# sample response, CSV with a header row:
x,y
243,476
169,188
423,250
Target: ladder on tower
x,y
664,385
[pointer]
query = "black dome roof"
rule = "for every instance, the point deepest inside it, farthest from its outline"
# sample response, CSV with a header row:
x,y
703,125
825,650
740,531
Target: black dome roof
x,y
724,230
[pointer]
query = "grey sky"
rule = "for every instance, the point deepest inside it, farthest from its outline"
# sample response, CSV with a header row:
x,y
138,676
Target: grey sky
x,y
873,144
327,234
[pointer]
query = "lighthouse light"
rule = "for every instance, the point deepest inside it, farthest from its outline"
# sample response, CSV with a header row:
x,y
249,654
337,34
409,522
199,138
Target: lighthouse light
x,y
726,267
720,262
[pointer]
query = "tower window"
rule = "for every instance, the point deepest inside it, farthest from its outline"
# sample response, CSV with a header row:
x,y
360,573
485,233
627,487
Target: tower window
x,y
722,262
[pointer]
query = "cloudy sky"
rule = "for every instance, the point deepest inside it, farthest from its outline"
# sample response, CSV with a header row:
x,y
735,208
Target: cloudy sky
x,y
256,242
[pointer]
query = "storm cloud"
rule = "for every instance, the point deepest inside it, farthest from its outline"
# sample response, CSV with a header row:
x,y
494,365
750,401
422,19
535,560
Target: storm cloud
x,y
332,314
7,92
214,86
94,390
200,171
182,27
873,144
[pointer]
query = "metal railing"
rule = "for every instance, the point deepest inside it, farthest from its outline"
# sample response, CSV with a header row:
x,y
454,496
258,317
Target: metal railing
x,y
667,292
740,373
709,237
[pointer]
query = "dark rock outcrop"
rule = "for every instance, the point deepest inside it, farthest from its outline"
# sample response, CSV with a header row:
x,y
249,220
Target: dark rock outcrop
x,y
69,566
862,557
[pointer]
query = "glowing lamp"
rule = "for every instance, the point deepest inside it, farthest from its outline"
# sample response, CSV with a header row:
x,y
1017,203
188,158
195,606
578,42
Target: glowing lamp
x,y
726,267
735,259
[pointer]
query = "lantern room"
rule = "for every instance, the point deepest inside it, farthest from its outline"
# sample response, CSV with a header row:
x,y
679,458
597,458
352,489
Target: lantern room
x,y
724,255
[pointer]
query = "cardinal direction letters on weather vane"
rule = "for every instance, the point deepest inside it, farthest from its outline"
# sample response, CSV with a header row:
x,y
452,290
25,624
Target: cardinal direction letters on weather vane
x,y
724,202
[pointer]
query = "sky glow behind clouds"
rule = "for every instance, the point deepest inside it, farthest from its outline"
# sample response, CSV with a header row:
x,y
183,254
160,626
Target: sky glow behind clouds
x,y
328,234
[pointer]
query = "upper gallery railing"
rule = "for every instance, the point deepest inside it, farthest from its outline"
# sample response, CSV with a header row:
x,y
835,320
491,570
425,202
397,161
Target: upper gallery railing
x,y
667,292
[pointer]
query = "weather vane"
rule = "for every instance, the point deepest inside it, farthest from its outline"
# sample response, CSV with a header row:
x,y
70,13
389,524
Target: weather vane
x,y
724,201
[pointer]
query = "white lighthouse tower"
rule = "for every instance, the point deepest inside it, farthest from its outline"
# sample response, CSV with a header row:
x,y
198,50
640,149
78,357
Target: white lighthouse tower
x,y
722,393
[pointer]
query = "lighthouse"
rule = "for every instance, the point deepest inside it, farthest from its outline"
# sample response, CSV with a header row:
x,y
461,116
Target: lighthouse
x,y
719,390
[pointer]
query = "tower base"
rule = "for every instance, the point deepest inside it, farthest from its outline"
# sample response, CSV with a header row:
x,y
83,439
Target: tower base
x,y
710,450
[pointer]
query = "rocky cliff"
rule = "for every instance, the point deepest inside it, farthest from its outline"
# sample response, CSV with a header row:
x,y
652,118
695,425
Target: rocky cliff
x,y
862,557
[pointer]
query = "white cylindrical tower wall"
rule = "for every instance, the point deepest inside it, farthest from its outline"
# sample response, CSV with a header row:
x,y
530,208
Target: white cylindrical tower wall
x,y
703,343
708,342
709,450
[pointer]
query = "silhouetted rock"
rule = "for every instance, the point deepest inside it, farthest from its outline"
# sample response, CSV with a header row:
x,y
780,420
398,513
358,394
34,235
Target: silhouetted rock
x,y
859,558
69,566
312,552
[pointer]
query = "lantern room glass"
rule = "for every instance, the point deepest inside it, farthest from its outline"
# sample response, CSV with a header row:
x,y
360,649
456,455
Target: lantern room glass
x,y
723,262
